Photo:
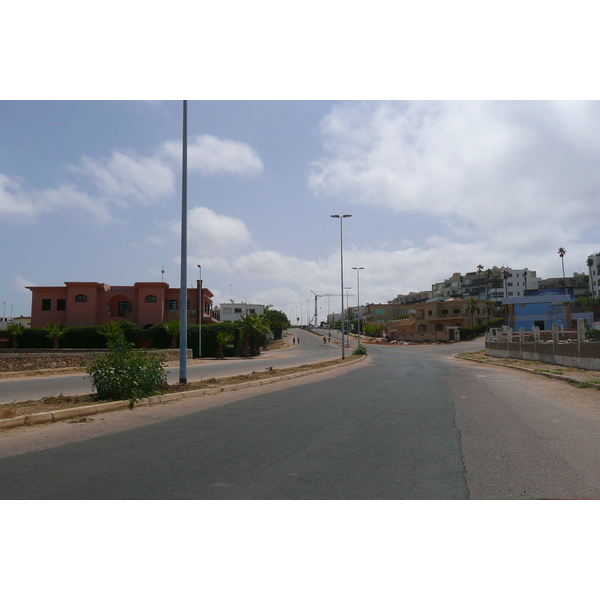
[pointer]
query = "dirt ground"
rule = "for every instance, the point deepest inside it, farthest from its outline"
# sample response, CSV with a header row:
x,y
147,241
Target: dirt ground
x,y
580,377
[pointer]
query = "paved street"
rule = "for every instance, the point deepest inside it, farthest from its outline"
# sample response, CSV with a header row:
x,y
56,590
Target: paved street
x,y
412,423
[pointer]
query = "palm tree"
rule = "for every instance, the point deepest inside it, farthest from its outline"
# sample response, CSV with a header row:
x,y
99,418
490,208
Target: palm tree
x,y
111,330
488,272
55,331
489,309
590,264
472,308
506,275
224,340
255,331
561,252
15,330
172,328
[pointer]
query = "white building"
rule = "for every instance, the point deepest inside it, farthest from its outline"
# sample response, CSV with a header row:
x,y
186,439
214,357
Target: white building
x,y
517,283
594,273
234,311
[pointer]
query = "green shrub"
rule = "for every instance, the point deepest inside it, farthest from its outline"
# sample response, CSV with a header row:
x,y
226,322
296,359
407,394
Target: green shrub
x,y
361,350
126,373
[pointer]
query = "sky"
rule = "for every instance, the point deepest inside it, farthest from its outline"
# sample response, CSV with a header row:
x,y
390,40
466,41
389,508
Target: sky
x,y
91,191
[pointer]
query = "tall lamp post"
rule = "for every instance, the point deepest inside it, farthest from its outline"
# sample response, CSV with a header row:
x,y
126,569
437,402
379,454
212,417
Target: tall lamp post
x,y
200,313
358,270
341,218
348,310
183,285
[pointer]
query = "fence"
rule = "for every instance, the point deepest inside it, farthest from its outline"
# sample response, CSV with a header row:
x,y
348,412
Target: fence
x,y
565,347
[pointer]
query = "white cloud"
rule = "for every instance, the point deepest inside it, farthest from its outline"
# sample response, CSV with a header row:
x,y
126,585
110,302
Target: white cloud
x,y
213,234
19,284
487,165
126,177
211,155
18,203
13,203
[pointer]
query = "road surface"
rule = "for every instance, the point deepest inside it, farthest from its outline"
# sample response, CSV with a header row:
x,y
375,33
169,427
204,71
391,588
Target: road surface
x,y
411,423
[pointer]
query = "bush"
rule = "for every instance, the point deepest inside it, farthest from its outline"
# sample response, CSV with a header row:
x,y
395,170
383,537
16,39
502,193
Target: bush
x,y
361,350
125,373
83,337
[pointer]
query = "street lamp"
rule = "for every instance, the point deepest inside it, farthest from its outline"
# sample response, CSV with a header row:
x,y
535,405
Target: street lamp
x,y
200,313
341,218
348,310
358,269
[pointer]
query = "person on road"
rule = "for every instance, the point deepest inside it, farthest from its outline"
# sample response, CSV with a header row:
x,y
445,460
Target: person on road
x,y
293,340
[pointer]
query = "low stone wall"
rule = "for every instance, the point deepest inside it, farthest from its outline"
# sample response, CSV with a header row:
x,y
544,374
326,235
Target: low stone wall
x,y
578,355
33,360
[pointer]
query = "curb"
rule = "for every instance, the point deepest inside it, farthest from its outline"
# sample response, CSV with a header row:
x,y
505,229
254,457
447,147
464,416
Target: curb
x,y
532,371
69,413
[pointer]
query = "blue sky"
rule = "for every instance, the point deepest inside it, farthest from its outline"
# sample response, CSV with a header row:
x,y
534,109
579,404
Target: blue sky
x,y
324,113
91,191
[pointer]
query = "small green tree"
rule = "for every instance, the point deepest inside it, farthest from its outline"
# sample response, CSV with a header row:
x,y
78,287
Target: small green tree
x,y
370,329
15,330
55,331
278,321
126,373
361,350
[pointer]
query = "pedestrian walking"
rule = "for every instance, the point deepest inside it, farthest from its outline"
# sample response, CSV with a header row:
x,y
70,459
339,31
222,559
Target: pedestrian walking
x,y
293,340
324,340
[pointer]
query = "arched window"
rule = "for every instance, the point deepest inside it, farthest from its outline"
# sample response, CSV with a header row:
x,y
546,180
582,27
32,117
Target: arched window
x,y
456,311
439,327
150,299
445,311
81,298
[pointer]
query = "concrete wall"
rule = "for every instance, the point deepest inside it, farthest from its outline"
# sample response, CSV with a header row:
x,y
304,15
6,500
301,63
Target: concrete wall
x,y
27,360
580,356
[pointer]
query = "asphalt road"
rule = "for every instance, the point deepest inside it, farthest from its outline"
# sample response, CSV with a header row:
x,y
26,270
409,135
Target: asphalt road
x,y
412,423
310,350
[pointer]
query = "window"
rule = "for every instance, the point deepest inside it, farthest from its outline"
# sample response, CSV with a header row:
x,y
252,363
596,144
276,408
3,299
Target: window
x,y
445,312
61,304
150,299
252,311
380,311
227,311
46,304
81,298
123,308
171,304
237,311
456,311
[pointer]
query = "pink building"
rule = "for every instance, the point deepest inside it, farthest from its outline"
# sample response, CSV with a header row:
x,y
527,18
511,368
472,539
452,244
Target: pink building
x,y
143,303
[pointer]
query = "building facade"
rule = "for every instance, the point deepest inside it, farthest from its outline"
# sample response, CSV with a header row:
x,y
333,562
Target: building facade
x,y
437,321
143,303
234,311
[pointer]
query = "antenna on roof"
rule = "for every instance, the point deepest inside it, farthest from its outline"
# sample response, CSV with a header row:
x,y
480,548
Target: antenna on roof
x,y
162,276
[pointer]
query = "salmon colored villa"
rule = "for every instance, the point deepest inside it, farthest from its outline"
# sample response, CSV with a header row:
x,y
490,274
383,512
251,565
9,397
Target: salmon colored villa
x,y
90,303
